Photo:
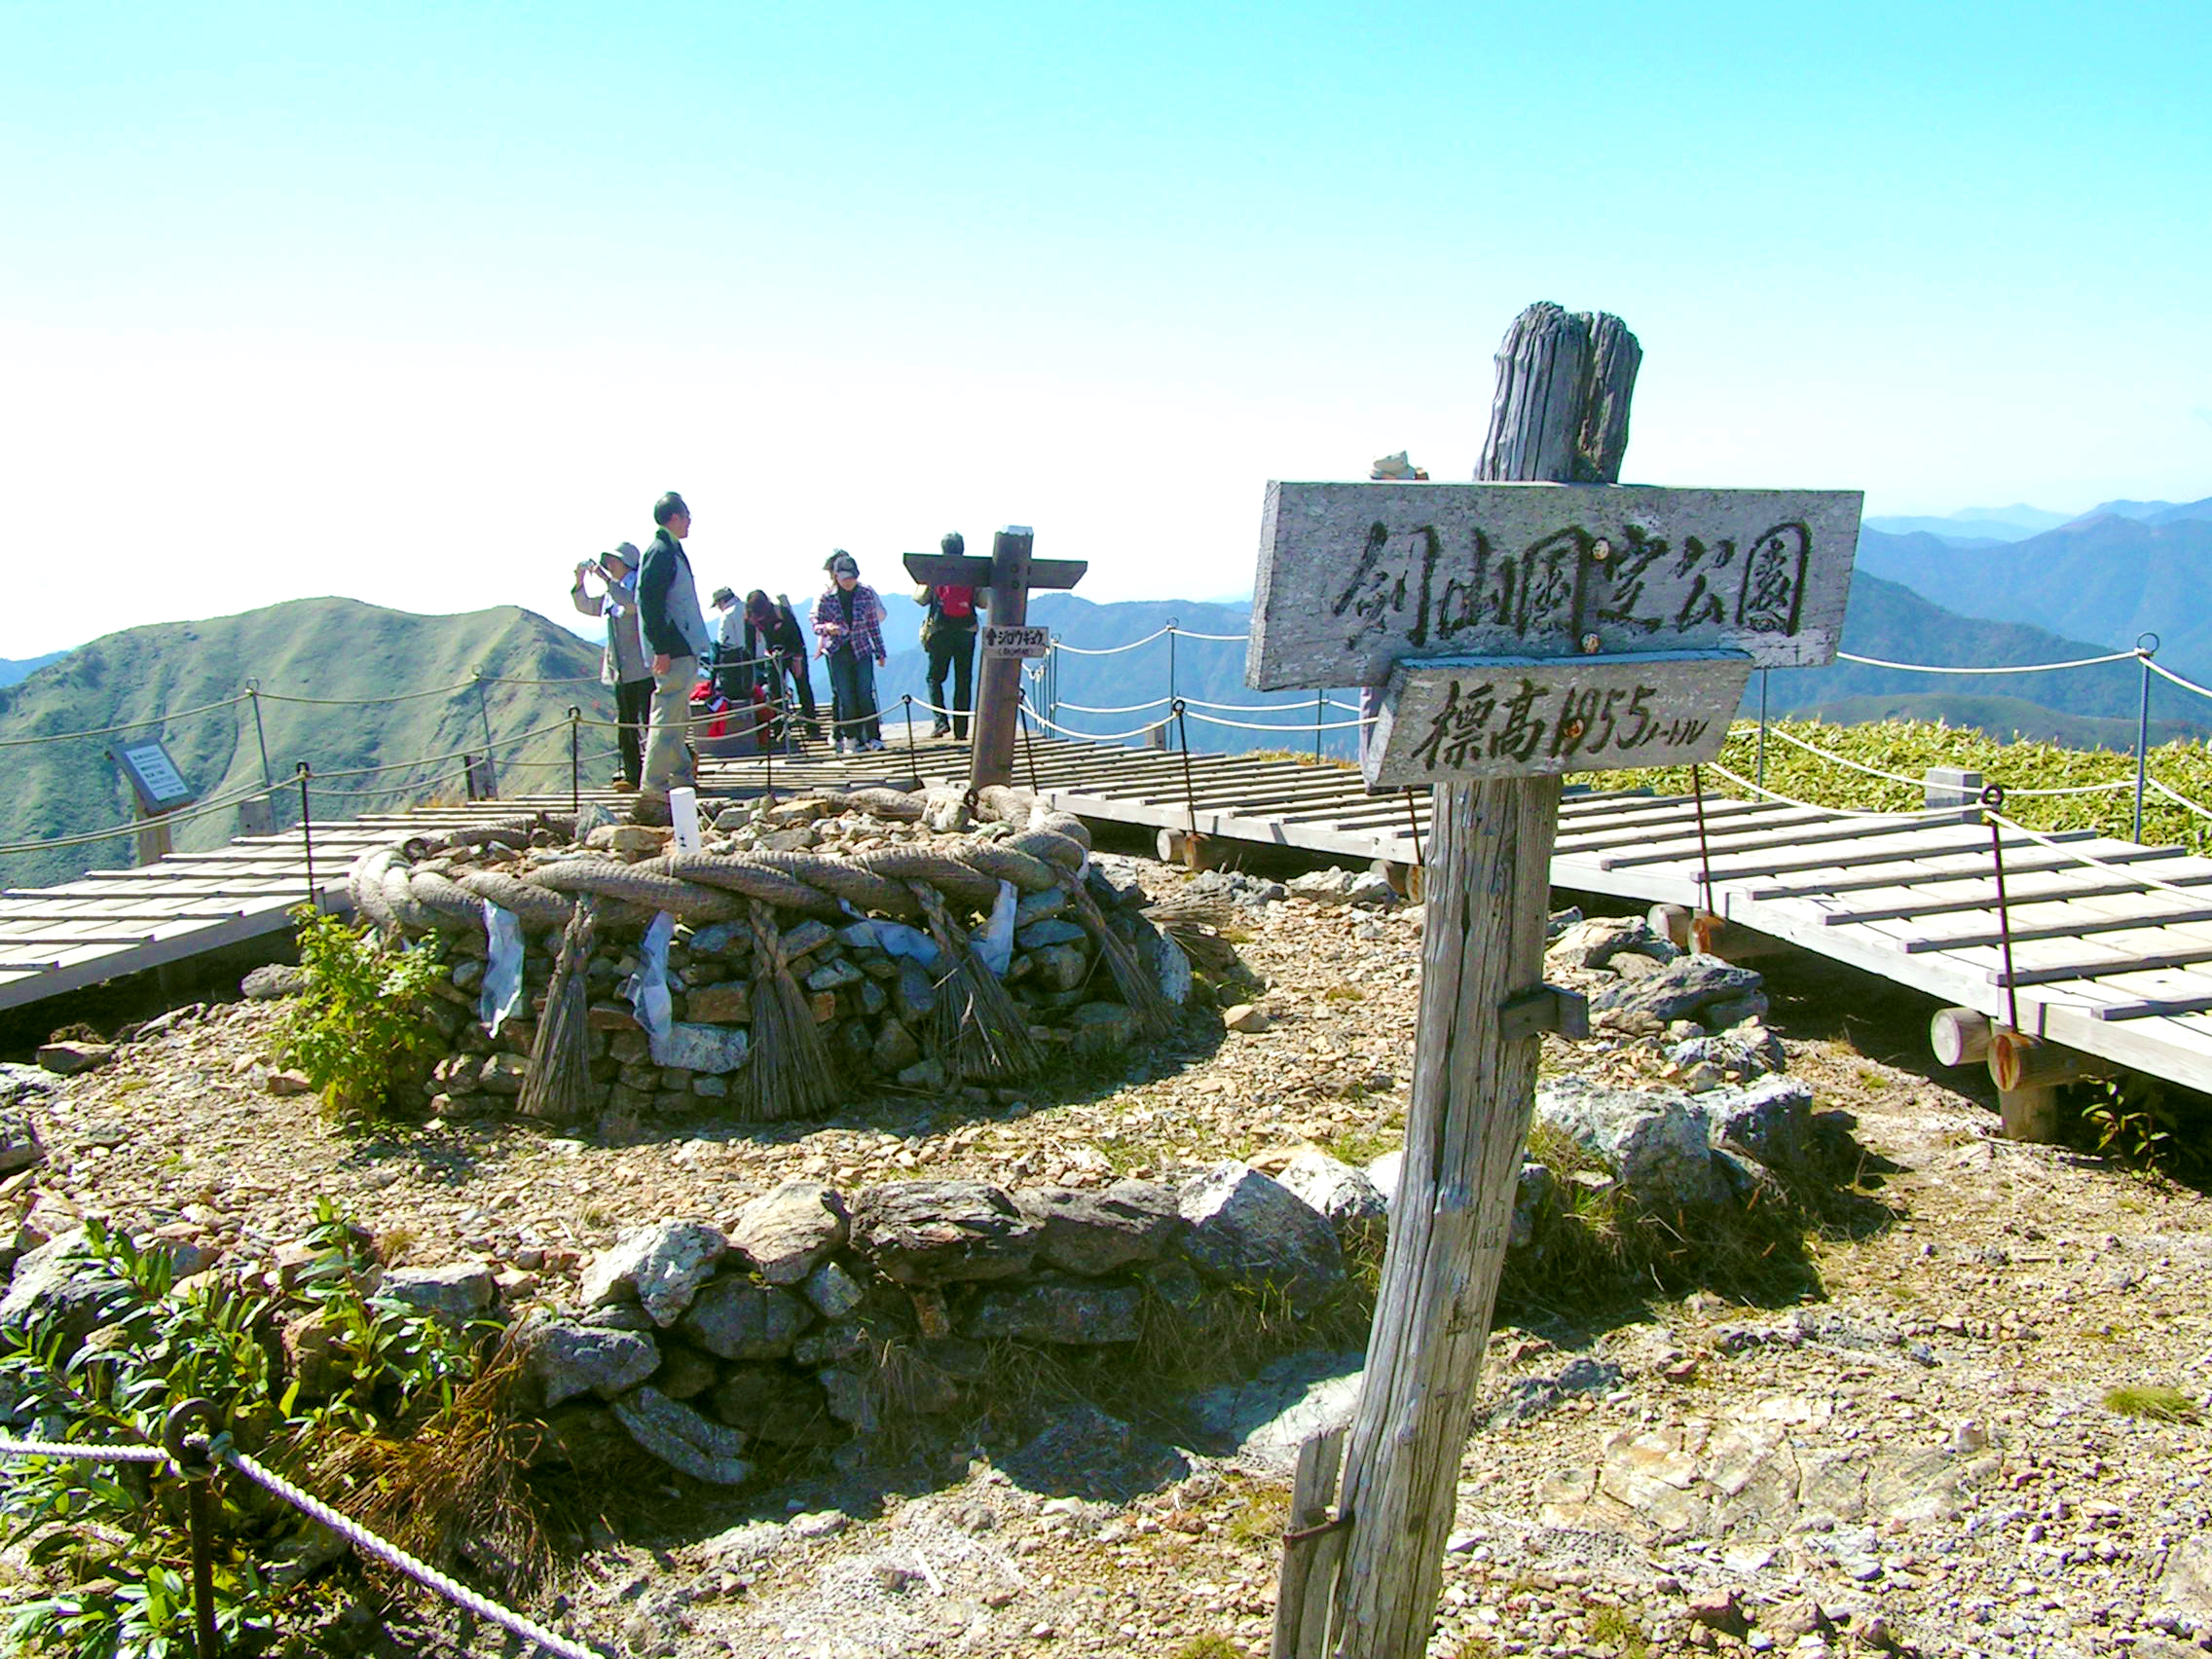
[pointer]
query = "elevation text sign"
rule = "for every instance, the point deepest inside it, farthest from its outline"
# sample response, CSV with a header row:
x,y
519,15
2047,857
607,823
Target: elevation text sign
x,y
1454,718
1356,578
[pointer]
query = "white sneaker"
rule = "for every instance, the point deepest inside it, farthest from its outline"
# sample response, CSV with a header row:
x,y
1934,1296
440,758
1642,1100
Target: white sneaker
x,y
847,746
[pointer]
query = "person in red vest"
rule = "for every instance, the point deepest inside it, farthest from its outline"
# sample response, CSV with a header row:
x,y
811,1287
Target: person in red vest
x,y
948,634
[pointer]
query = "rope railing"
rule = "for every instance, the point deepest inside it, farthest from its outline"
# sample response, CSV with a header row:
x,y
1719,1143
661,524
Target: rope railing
x,y
192,1458
1113,651
2169,674
127,725
1957,668
1306,729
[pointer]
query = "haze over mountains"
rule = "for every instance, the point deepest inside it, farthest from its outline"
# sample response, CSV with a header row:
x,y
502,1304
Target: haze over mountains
x,y
1998,588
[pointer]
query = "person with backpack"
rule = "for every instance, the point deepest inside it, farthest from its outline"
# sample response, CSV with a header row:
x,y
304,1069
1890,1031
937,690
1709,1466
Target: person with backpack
x,y
948,634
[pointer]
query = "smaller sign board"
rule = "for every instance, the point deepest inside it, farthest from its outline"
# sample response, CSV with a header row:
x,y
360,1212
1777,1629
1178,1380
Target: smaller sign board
x,y
1017,641
1452,719
154,777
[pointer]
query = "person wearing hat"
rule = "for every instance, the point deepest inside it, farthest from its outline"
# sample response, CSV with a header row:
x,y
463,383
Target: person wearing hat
x,y
731,680
622,663
676,633
772,633
848,630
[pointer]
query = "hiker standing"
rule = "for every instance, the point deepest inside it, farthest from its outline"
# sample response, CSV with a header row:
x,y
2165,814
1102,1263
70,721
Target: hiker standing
x,y
676,633
622,663
948,634
848,630
772,631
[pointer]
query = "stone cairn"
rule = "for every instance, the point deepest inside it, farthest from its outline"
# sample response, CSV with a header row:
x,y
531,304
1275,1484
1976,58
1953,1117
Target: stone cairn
x,y
826,940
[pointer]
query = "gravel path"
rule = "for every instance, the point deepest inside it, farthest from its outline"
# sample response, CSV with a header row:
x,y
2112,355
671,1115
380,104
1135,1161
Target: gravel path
x,y
1923,1460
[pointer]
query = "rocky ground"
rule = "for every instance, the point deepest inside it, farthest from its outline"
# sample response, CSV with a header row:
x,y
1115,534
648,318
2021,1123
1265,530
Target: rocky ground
x,y
1918,1458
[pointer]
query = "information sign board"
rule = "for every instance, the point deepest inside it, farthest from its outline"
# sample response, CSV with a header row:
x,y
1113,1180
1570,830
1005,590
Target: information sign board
x,y
1015,641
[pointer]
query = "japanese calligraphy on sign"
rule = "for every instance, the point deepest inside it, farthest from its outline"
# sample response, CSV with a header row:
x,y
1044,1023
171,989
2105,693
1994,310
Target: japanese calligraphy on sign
x,y
1357,578
1523,717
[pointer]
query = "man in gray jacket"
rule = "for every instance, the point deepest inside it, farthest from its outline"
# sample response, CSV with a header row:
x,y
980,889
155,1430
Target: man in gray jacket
x,y
676,633
623,665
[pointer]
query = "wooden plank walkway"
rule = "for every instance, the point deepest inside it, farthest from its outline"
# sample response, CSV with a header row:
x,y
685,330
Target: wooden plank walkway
x,y
2102,963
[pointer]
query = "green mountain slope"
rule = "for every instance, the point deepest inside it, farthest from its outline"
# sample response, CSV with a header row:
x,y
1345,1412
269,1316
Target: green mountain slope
x,y
339,652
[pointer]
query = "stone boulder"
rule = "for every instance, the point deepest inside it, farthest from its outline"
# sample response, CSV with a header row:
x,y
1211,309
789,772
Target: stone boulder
x,y
64,1281
1365,888
713,1050
774,1404
1702,988
567,1359
1054,1308
1594,944
1770,1121
1656,1142
1348,1197
19,1145
1103,1231
452,1294
660,1267
272,980
17,1081
937,1232
734,1318
1246,1228
684,1438
789,1233
66,1059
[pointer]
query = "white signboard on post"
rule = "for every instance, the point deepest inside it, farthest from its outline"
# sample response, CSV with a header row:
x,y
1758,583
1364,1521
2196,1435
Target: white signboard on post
x,y
1529,716
1017,641
1356,578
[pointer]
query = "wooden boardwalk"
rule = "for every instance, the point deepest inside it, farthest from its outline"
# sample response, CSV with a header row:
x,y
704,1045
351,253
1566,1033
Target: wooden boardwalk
x,y
2102,962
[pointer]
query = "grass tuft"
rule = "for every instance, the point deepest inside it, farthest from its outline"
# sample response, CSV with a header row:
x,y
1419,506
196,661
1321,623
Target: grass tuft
x,y
2153,1402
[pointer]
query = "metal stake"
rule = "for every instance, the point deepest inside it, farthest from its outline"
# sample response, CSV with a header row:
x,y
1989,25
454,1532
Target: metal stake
x,y
490,761
1319,703
576,761
914,765
1992,800
1413,822
260,737
1704,848
306,836
188,1456
1190,790
2144,653
1029,743
1758,776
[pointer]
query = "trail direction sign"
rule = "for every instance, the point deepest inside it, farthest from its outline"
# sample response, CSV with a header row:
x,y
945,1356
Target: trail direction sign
x,y
1017,641
1355,578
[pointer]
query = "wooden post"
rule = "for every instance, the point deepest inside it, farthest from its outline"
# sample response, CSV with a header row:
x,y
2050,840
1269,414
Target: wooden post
x,y
1561,414
997,680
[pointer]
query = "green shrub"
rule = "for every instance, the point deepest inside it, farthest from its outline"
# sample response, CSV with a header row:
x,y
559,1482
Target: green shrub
x,y
362,1016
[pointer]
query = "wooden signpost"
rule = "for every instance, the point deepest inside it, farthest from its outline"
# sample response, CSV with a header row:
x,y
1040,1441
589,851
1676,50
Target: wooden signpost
x,y
1010,572
158,788
1519,631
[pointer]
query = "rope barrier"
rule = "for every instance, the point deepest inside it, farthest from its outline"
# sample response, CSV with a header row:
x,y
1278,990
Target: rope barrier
x,y
366,702
1222,639
1306,729
2177,798
1814,806
82,1453
1119,709
1092,736
420,1571
2024,668
1113,650
2169,674
127,725
183,815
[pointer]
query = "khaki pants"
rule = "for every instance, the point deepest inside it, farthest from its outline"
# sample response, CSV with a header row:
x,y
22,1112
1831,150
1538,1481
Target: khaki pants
x,y
667,764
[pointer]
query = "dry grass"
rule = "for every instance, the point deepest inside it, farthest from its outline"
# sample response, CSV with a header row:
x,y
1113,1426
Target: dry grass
x,y
2153,1402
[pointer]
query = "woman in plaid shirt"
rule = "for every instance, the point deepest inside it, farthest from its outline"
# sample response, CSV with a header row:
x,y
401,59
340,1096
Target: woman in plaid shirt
x,y
848,630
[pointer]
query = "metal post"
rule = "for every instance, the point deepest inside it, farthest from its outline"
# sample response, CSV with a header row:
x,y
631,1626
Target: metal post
x,y
2144,653
906,699
1190,790
1029,745
1758,776
491,762
306,836
1320,702
1171,659
576,761
1993,800
260,736
1413,822
185,1438
1704,848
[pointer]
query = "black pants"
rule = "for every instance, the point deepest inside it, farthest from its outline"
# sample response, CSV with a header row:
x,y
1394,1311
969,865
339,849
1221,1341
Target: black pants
x,y
633,706
953,648
803,682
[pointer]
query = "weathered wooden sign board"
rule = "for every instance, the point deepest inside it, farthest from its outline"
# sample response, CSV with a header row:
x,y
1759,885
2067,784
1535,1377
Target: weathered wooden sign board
x,y
1356,578
1020,642
1523,717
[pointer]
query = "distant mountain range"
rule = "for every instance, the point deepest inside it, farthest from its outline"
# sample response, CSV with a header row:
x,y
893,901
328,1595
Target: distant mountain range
x,y
2017,523
14,670
339,650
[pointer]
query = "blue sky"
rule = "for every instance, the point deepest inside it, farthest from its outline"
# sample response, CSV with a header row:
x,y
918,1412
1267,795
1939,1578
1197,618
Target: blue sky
x,y
424,302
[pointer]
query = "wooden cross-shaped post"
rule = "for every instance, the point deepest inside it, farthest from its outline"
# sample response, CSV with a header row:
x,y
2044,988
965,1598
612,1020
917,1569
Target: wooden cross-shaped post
x,y
1519,631
1010,572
